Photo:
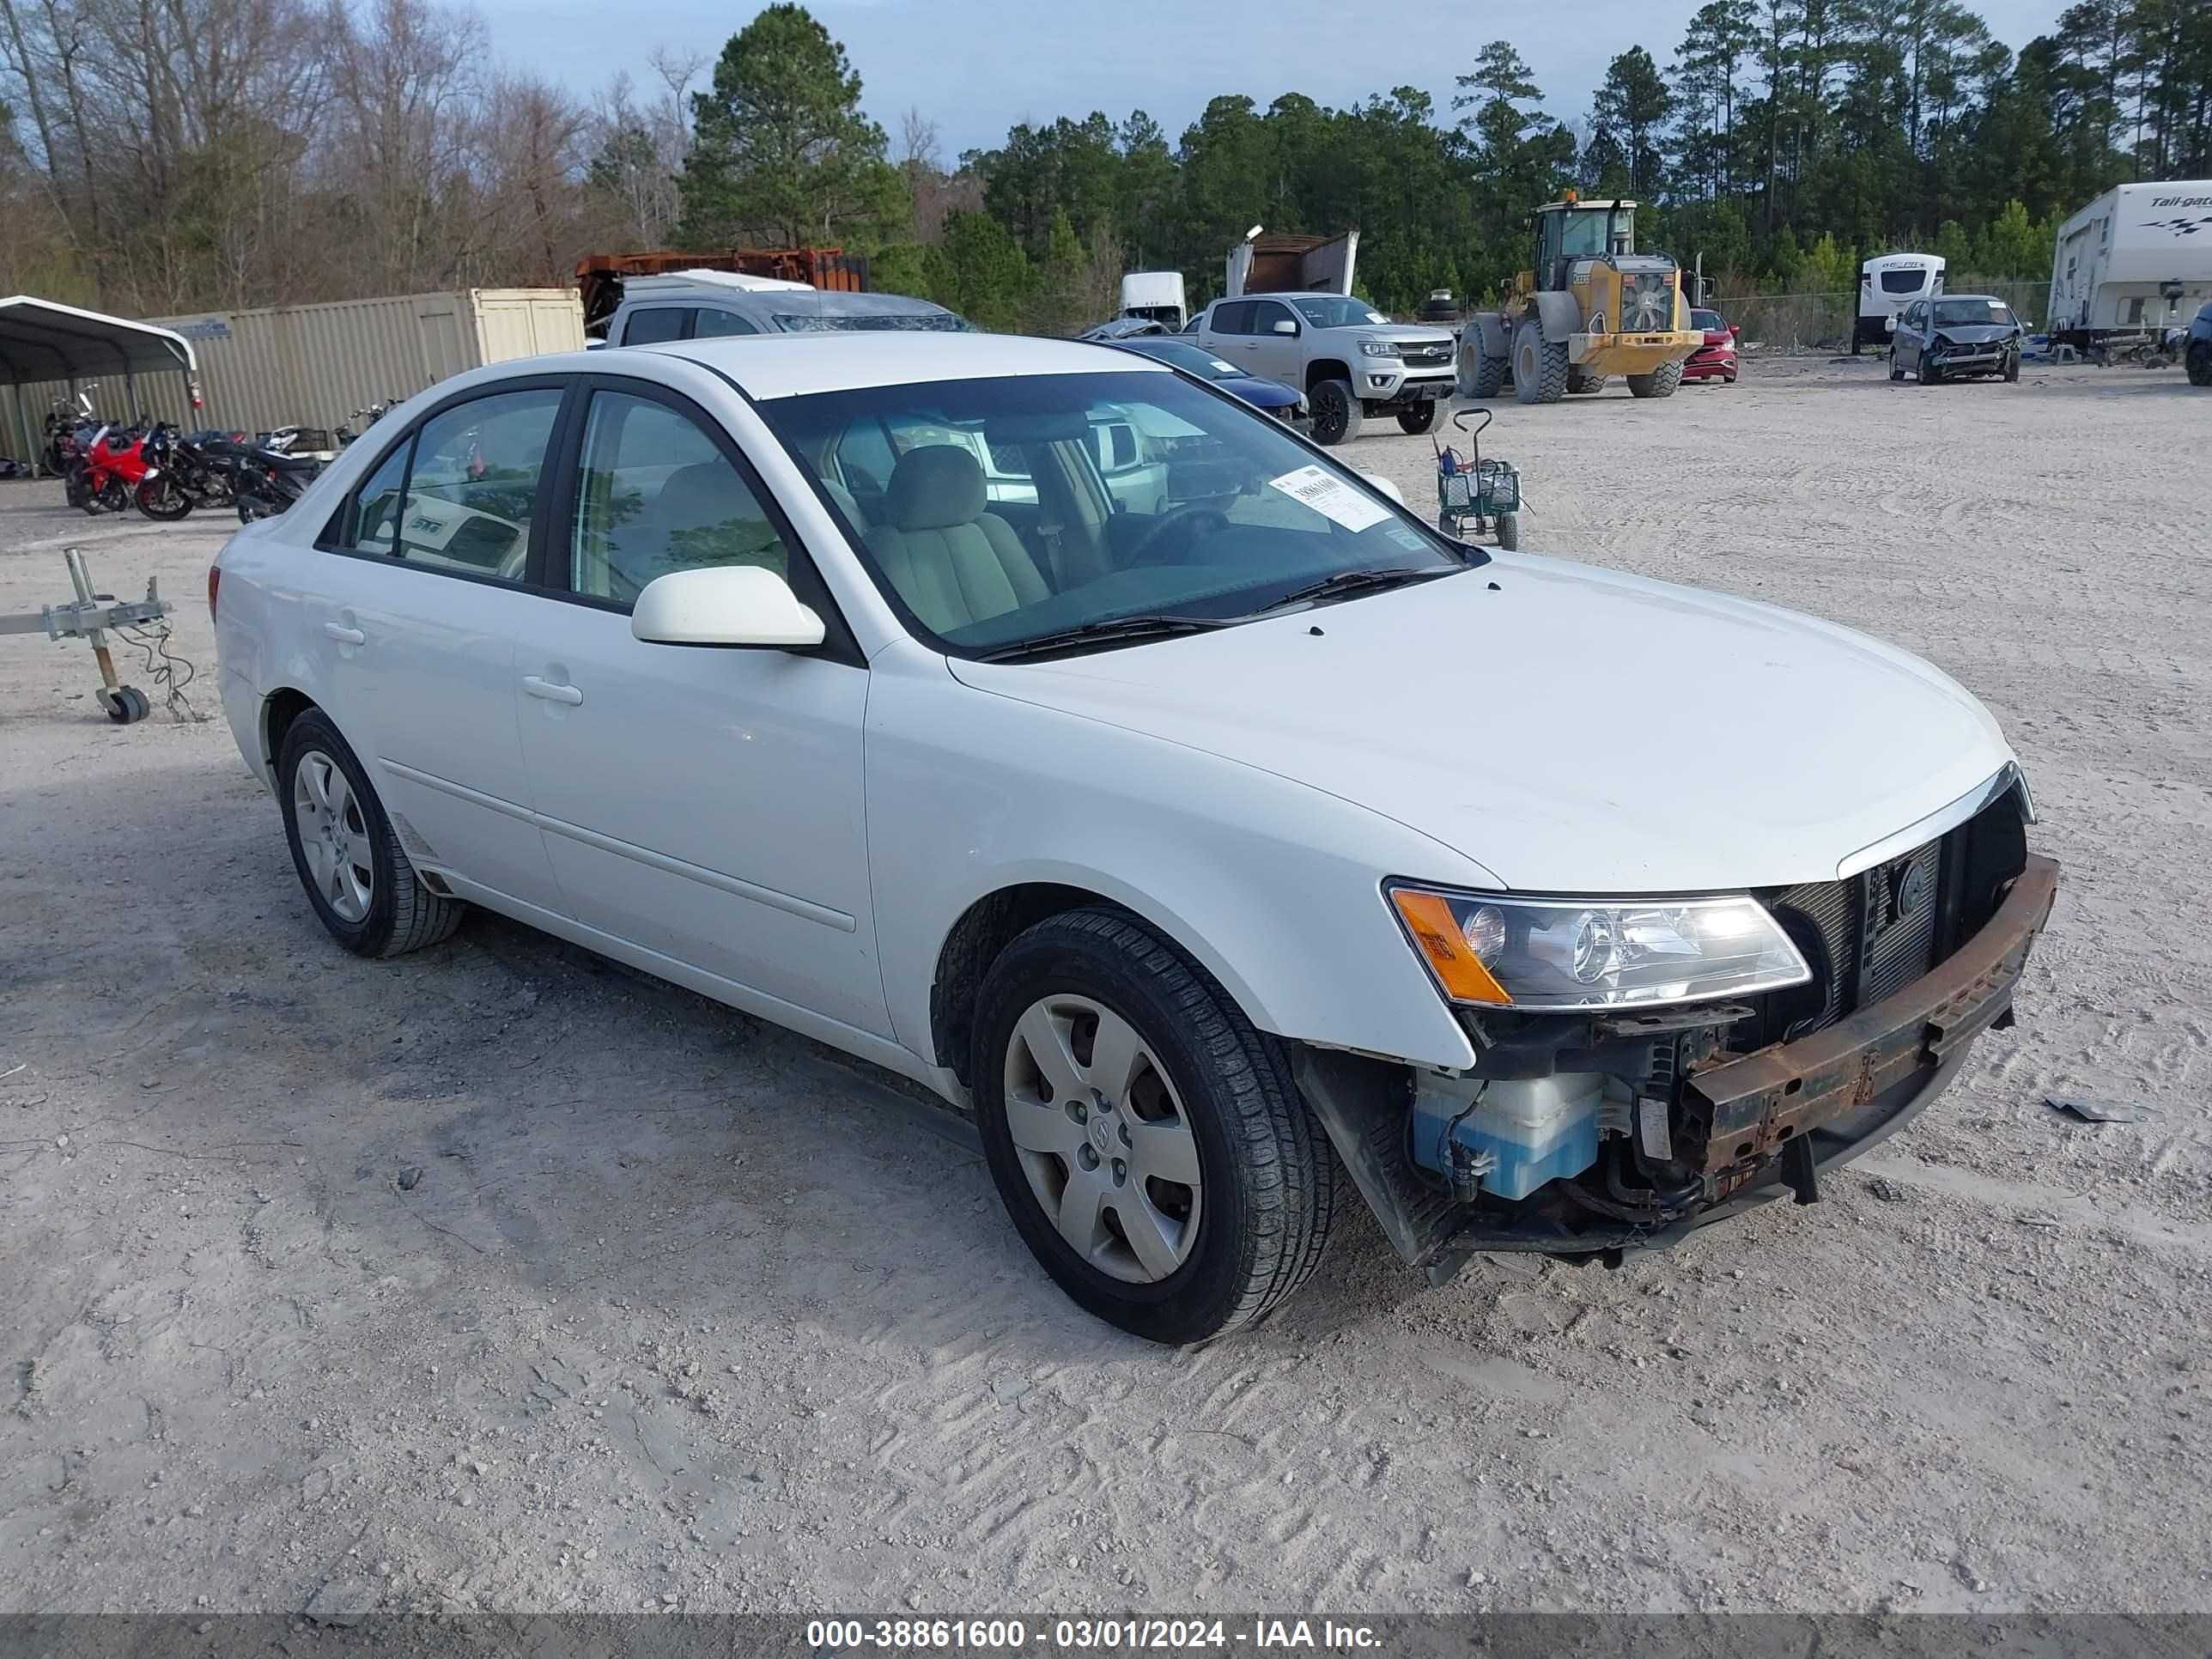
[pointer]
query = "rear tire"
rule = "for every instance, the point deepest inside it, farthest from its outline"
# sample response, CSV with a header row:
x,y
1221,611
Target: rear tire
x,y
1229,1185
1508,531
2200,365
1418,417
1582,380
1660,382
357,875
1896,371
1539,366
1335,413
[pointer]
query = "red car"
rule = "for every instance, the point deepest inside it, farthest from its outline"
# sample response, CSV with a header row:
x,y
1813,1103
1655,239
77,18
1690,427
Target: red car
x,y
1715,359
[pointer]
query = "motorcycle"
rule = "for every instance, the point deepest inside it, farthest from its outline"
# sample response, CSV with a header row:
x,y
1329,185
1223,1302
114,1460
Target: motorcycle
x,y
68,427
112,466
269,481
185,472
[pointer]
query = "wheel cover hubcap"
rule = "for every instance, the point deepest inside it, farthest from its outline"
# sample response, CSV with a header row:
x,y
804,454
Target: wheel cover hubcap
x,y
1103,1138
334,835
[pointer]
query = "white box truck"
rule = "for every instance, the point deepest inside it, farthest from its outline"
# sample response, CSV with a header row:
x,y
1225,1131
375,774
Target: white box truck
x,y
2132,265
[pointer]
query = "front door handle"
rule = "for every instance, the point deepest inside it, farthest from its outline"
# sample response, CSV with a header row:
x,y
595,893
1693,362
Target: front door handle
x,y
552,691
344,635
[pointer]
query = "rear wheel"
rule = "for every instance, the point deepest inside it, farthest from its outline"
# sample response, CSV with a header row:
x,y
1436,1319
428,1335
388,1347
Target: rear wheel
x,y
1896,370
1335,413
347,855
1147,1142
1508,531
1582,380
1539,366
1417,418
1660,382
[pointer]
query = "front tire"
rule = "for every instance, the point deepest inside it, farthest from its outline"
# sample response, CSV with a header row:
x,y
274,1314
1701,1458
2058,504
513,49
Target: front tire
x,y
1508,531
1896,370
1660,382
1539,366
1147,1142
1418,418
1487,375
348,859
1335,413
2012,369
1582,380
163,498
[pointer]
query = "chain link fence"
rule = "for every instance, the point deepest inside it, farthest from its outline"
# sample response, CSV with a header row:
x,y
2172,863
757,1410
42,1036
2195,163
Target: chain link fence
x,y
1822,322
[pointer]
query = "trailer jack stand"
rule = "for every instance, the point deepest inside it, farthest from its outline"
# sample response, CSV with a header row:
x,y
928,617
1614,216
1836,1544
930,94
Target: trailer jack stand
x,y
89,616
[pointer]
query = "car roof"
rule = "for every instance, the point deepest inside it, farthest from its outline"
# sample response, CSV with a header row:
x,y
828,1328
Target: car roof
x,y
792,365
1991,298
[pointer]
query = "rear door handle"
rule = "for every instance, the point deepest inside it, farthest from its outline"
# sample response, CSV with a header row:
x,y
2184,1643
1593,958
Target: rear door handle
x,y
551,691
344,635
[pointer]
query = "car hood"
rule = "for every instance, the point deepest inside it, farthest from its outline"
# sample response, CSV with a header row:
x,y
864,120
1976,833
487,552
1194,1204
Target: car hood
x,y
1567,728
1974,333
1405,334
1268,394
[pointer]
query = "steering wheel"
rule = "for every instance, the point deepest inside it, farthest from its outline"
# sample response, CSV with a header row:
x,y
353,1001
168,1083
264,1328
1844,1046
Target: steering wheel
x,y
1188,514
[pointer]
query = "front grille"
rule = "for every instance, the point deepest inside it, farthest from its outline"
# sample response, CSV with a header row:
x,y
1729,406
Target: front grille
x,y
1647,303
1425,354
1864,938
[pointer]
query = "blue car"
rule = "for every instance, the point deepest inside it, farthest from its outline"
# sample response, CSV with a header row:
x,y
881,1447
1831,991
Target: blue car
x,y
2198,356
1272,395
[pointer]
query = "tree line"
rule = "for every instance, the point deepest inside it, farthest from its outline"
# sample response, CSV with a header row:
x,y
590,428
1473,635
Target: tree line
x,y
161,155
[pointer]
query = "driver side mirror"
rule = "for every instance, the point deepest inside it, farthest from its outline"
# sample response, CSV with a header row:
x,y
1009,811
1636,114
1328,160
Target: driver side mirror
x,y
1284,326
725,604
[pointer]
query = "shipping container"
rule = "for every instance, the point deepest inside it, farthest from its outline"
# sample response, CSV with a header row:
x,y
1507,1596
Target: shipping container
x,y
314,365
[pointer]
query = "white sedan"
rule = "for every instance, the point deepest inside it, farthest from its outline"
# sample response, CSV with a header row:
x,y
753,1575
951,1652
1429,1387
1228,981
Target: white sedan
x,y
1224,852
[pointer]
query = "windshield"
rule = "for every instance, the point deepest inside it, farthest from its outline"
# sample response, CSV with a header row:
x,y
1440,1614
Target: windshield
x,y
996,512
1708,320
1969,314
1335,311
1909,279
870,322
1197,361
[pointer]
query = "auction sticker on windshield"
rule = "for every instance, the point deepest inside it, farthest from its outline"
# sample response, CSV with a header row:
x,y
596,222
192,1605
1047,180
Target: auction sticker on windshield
x,y
1330,496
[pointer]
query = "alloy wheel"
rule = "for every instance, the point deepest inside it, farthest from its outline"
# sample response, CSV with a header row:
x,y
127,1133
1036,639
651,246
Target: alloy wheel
x,y
334,835
1104,1139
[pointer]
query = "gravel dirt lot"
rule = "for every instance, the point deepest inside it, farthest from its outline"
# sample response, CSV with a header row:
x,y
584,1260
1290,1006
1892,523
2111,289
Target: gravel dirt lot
x,y
495,1278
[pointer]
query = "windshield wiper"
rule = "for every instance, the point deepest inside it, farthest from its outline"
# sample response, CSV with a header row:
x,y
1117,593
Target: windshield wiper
x,y
1107,630
1351,581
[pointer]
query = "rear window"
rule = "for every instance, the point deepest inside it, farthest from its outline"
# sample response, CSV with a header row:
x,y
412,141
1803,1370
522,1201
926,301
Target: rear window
x,y
1903,282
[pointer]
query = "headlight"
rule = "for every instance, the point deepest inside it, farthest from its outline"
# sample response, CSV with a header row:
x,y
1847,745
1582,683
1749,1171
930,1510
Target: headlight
x,y
1379,348
1553,955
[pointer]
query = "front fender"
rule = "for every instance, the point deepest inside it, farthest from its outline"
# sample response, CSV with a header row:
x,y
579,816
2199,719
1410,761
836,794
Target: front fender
x,y
1275,887
1560,314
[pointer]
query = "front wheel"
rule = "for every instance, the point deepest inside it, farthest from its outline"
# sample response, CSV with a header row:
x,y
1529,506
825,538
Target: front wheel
x,y
1584,381
1508,531
1480,374
1335,413
1147,1142
1539,366
2012,369
1929,374
163,497
1417,418
1896,370
347,854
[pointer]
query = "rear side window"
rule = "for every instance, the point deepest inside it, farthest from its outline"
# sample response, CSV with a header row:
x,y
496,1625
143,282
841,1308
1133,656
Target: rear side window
x,y
375,514
474,482
1233,317
656,496
656,323
711,322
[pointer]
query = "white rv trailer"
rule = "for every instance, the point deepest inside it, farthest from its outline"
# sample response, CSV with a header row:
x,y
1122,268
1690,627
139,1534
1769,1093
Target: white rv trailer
x,y
2135,262
1887,284
1156,296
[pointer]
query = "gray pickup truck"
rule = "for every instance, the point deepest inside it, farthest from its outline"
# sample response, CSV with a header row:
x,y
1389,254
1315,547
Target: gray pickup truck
x,y
1346,357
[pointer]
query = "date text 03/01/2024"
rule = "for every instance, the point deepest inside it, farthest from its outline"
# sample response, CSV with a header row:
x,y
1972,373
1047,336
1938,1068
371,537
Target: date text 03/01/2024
x,y
1081,1635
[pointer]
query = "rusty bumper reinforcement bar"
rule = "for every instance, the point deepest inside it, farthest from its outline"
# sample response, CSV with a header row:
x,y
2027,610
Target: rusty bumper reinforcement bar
x,y
1762,1100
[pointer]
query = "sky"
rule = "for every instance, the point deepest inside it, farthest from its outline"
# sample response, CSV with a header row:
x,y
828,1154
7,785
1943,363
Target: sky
x,y
976,67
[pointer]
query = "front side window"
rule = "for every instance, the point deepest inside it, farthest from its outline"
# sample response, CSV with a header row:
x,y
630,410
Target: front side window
x,y
657,495
1140,495
711,322
1336,311
474,482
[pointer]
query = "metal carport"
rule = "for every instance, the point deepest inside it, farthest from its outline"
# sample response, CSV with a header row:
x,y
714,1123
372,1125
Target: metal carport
x,y
43,341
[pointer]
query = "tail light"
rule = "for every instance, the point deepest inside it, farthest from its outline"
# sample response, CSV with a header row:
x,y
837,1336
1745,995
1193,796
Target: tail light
x,y
215,586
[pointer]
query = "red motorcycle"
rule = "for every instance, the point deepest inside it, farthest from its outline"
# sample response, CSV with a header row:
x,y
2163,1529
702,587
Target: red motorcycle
x,y
114,466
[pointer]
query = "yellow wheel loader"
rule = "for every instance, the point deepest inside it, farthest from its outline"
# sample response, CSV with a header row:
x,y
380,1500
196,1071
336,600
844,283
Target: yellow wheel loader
x,y
1593,307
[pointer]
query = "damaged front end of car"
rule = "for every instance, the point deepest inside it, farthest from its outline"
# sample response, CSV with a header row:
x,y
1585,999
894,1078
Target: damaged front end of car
x,y
1589,1133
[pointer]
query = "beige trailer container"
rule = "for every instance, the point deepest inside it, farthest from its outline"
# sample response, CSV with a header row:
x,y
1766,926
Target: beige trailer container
x,y
313,365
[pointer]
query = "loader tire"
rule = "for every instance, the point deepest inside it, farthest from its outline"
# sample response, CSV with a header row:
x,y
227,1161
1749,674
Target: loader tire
x,y
1583,380
1539,366
1480,375
1660,382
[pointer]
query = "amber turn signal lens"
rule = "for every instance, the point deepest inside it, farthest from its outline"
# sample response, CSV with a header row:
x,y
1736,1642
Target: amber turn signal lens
x,y
1437,935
